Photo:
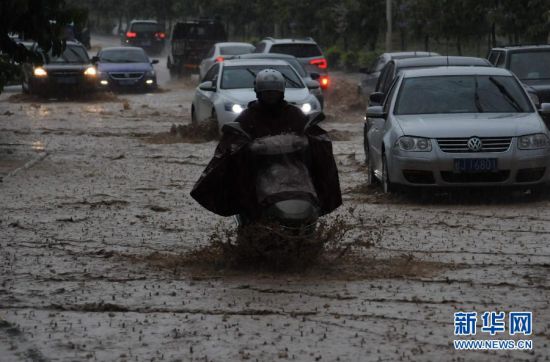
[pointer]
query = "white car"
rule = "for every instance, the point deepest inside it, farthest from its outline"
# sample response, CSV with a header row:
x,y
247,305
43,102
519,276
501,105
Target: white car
x,y
221,51
228,87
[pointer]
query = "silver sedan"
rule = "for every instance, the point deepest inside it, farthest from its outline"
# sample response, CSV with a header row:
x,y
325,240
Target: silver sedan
x,y
457,126
221,51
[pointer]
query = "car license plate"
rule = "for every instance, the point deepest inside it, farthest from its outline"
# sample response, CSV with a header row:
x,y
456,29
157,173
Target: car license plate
x,y
475,164
67,80
127,82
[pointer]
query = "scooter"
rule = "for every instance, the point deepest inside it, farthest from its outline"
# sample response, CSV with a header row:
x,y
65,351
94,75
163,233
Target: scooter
x,y
284,189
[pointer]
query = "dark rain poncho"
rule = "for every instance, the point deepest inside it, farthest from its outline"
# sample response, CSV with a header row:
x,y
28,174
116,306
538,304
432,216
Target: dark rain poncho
x,y
227,185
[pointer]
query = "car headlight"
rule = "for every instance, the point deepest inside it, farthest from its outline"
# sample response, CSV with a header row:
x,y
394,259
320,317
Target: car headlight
x,y
90,71
40,72
533,141
414,144
306,108
234,107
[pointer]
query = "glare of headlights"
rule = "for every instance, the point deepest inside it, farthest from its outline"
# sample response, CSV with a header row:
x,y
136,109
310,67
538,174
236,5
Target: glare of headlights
x,y
90,71
237,108
104,82
149,81
40,72
306,108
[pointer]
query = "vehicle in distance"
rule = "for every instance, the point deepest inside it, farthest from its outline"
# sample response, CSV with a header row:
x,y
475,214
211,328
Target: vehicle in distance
x,y
125,68
146,34
372,73
190,42
305,50
220,51
69,72
307,77
228,87
531,64
457,126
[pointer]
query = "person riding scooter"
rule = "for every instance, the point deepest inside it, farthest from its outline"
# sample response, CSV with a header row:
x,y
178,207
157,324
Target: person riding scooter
x,y
230,184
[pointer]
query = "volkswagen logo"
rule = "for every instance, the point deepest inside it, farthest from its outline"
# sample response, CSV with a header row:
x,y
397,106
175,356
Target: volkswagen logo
x,y
474,144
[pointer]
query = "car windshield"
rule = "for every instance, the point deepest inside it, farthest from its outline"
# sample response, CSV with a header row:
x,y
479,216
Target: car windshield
x,y
531,65
123,56
236,77
71,54
145,27
461,94
298,50
236,49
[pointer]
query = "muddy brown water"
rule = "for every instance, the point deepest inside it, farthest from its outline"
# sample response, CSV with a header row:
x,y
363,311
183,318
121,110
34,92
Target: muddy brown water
x,y
105,256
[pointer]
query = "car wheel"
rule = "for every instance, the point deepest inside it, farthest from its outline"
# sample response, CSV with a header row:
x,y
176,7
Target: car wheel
x,y
25,85
371,177
387,186
193,116
366,146
214,116
171,69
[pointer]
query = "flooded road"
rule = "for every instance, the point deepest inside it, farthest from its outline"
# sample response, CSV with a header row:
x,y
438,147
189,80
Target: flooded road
x,y
96,219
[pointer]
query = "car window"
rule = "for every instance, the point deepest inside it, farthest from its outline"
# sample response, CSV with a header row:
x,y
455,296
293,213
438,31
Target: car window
x,y
123,56
493,57
238,77
389,96
212,31
381,79
72,54
501,59
389,77
531,65
144,27
236,49
303,50
211,52
260,48
462,94
212,72
379,65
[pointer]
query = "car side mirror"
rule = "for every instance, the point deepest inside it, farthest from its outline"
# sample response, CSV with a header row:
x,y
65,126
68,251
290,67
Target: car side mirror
x,y
312,84
376,112
376,98
95,59
545,109
207,86
154,61
315,76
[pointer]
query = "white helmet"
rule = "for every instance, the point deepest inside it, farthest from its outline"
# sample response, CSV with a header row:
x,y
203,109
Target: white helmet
x,y
269,80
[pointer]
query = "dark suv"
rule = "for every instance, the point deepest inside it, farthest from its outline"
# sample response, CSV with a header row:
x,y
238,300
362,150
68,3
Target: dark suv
x,y
70,72
146,34
190,42
531,64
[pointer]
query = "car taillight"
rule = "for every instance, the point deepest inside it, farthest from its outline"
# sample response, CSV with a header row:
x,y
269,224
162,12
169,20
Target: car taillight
x,y
131,34
324,80
321,63
160,35
219,59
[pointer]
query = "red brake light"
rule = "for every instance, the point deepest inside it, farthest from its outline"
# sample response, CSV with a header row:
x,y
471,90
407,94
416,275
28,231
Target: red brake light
x,y
131,34
324,81
219,59
321,63
160,35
